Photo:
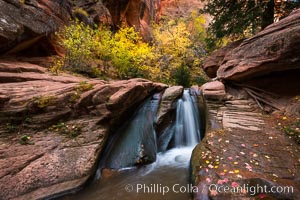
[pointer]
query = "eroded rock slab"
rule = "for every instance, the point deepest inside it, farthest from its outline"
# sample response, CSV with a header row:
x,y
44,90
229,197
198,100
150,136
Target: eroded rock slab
x,y
274,49
244,148
62,122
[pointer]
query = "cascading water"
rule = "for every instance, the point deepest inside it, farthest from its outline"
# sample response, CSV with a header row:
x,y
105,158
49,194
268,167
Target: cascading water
x,y
187,132
170,168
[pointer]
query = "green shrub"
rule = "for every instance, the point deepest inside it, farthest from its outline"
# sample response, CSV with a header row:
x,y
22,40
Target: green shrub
x,y
25,139
182,76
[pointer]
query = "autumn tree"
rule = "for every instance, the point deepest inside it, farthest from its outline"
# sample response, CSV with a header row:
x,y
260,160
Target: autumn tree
x,y
178,49
130,55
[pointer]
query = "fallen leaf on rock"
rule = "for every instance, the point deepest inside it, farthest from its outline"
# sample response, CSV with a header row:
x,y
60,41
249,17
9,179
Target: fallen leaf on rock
x,y
235,163
243,145
230,158
208,180
254,155
236,171
242,153
207,161
234,184
225,180
239,176
227,141
231,172
267,157
210,166
255,145
220,182
249,167
222,173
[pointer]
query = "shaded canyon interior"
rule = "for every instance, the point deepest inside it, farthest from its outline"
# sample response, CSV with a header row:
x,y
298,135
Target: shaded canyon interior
x,y
91,128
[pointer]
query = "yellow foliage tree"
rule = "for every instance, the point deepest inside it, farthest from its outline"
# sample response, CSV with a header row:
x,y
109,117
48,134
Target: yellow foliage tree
x,y
130,55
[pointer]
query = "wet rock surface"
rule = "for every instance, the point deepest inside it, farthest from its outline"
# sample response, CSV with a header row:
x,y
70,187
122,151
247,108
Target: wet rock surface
x,y
244,149
53,127
168,104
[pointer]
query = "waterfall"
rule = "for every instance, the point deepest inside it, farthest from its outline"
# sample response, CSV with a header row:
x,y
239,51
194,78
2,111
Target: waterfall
x,y
133,143
187,131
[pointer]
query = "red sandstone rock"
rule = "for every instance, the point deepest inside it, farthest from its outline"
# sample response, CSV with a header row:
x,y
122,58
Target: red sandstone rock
x,y
32,101
213,90
214,61
275,49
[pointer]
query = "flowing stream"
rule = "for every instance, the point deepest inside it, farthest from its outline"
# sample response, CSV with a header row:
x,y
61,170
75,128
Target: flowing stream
x,y
165,179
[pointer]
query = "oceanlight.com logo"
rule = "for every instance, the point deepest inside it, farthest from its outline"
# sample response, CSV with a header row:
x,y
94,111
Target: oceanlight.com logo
x,y
214,189
249,189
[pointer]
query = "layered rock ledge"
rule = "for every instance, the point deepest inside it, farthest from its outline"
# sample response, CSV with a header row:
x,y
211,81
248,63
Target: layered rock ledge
x,y
54,127
245,148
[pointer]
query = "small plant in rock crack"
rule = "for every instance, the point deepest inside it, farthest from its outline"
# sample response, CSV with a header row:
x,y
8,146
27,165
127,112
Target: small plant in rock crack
x,y
25,139
84,86
45,101
65,129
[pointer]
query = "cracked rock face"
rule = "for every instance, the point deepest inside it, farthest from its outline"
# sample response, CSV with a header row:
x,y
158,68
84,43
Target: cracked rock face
x,y
52,128
264,61
31,23
23,23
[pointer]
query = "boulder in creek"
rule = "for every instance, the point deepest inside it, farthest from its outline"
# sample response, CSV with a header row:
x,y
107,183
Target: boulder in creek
x,y
165,116
53,128
213,90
